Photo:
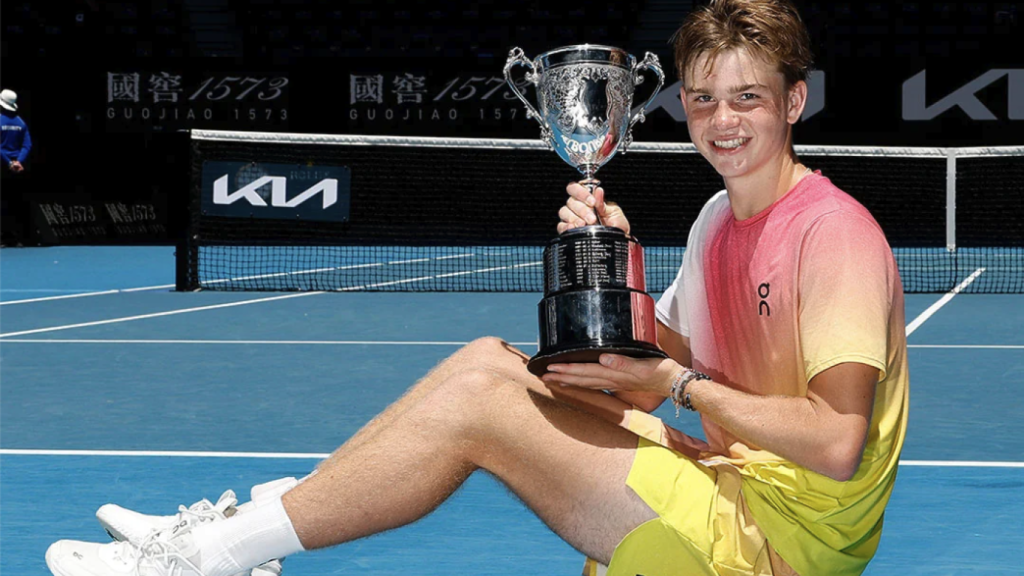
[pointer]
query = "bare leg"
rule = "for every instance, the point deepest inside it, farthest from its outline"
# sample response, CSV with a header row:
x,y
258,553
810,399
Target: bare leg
x,y
481,354
479,409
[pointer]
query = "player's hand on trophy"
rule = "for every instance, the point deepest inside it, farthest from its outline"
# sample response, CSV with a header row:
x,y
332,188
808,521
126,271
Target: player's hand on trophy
x,y
583,208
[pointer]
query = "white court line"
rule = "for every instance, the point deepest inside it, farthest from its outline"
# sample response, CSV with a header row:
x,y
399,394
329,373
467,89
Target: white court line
x,y
967,346
489,270
319,456
436,276
921,318
161,453
332,269
158,314
238,279
47,290
242,303
385,343
84,294
391,283
251,342
965,464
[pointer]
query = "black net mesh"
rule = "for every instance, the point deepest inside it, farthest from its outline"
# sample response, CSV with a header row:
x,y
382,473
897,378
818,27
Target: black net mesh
x,y
476,219
990,222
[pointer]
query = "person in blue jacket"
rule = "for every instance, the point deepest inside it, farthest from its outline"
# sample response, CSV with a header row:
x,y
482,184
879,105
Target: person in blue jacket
x,y
15,141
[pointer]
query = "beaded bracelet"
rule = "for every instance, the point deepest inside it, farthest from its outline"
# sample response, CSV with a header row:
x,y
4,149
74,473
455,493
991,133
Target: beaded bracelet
x,y
680,398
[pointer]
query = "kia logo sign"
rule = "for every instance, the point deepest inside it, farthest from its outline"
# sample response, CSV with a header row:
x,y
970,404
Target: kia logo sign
x,y
278,195
915,103
278,191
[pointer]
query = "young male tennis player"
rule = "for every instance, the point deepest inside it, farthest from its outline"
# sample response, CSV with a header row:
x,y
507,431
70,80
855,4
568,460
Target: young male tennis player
x,y
785,331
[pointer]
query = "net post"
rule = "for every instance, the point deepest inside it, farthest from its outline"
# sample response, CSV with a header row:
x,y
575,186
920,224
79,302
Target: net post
x,y
181,264
951,199
186,254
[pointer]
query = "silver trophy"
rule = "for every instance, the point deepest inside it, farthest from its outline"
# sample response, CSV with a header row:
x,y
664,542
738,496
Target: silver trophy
x,y
595,298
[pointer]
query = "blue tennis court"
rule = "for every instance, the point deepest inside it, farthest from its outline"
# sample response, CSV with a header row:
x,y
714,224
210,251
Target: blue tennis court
x,y
152,398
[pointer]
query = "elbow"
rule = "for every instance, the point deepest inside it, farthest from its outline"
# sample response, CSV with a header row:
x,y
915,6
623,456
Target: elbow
x,y
844,461
842,471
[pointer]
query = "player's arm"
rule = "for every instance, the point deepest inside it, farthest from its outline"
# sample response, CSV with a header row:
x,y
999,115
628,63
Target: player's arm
x,y
824,432
26,146
677,347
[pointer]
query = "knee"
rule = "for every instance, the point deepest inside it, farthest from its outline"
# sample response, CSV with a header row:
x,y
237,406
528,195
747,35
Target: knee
x,y
474,385
480,371
487,352
485,349
462,400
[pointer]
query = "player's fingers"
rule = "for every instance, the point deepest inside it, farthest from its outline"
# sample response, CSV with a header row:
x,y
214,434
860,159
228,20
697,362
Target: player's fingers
x,y
599,203
581,381
591,370
569,217
581,193
581,210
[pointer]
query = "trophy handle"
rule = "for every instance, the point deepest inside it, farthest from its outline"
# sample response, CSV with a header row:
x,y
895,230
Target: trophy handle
x,y
650,62
516,57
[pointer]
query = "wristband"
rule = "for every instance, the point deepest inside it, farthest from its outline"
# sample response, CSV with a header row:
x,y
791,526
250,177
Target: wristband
x,y
678,391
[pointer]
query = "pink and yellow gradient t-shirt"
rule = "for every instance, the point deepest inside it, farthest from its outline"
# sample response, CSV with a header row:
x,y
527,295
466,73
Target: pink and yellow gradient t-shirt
x,y
767,304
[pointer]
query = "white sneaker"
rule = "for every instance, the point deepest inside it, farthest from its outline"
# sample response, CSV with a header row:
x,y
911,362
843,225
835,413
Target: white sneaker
x,y
127,525
166,553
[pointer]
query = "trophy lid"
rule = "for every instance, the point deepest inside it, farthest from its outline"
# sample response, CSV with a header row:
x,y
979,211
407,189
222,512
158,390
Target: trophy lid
x,y
586,53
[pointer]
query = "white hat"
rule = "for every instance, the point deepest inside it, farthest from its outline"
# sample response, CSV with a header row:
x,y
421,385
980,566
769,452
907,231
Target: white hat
x,y
9,100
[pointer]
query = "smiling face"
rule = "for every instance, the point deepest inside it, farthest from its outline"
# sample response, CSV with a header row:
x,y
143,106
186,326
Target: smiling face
x,y
740,114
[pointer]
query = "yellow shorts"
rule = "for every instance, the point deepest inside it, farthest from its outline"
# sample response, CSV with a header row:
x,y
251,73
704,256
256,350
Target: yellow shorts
x,y
703,527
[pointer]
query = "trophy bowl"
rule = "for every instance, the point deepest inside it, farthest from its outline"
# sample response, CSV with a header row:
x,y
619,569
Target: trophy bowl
x,y
594,295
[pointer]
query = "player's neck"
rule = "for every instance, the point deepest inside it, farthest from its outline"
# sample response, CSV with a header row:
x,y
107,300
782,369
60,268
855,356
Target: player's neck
x,y
752,193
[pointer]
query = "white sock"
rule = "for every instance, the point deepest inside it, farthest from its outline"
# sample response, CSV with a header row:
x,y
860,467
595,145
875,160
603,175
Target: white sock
x,y
260,494
247,540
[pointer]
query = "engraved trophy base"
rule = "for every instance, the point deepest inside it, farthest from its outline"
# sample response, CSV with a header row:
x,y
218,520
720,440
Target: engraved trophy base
x,y
594,300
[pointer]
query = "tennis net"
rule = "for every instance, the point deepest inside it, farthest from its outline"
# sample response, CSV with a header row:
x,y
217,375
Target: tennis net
x,y
446,214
